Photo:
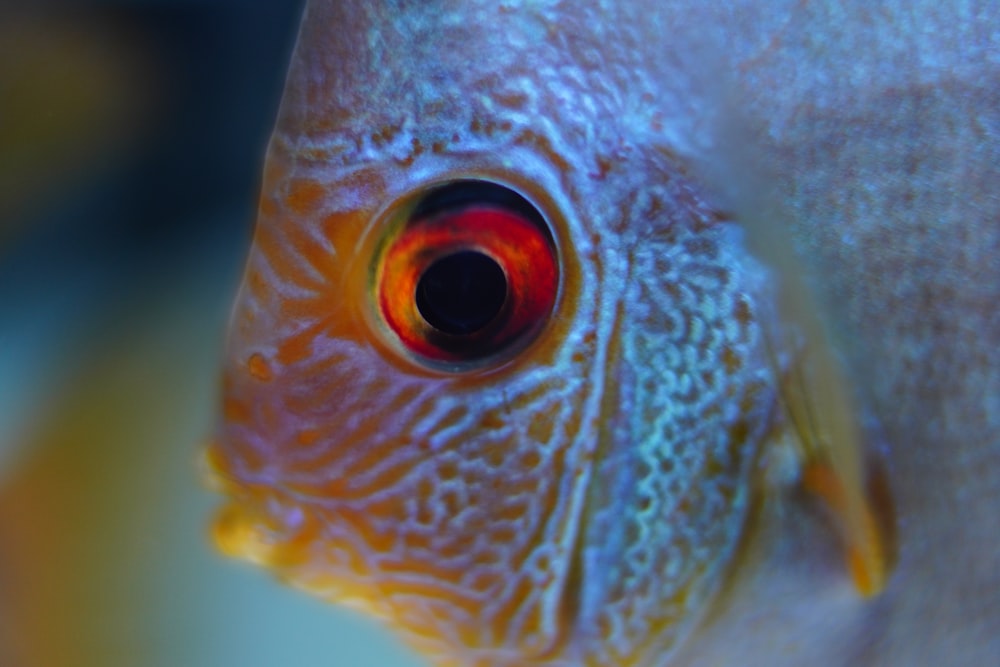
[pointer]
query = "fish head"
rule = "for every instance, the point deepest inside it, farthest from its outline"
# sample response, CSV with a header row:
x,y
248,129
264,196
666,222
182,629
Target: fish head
x,y
543,456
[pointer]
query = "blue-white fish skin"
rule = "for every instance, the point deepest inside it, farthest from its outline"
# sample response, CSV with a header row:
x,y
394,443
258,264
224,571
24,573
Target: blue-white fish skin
x,y
874,134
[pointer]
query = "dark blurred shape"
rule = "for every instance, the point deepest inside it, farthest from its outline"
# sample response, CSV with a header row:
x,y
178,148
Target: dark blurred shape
x,y
73,91
125,126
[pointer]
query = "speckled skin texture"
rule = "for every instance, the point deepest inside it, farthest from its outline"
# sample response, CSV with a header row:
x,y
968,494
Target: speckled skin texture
x,y
880,125
584,503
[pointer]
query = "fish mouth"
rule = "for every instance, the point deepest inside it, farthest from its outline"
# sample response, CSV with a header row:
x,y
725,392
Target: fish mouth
x,y
242,527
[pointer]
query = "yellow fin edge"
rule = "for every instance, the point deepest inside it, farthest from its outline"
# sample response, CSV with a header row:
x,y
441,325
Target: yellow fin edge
x,y
865,544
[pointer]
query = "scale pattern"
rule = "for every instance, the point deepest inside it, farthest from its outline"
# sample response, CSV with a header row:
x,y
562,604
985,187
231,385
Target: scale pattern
x,y
576,506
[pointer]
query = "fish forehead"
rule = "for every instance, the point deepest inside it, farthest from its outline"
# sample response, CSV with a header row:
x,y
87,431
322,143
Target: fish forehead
x,y
374,77
588,492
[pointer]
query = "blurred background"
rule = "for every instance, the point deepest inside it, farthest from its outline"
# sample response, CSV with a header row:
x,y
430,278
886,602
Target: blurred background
x,y
132,134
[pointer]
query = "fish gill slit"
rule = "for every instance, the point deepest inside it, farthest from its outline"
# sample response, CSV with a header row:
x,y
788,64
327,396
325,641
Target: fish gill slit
x,y
572,601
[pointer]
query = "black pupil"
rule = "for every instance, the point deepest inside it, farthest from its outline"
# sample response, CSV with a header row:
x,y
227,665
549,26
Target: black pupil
x,y
461,293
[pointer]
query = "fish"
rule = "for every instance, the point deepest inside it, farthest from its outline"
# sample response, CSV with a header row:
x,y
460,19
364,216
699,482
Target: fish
x,y
629,333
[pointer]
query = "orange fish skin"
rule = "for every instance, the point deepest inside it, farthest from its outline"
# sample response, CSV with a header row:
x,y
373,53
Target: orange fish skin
x,y
877,127
575,505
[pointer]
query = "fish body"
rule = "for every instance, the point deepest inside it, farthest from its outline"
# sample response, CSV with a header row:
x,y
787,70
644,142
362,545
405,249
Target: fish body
x,y
578,488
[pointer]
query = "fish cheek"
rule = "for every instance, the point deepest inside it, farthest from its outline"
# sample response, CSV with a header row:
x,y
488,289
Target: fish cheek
x,y
454,510
443,503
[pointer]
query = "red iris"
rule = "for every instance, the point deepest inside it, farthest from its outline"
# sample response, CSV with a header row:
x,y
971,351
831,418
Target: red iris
x,y
468,282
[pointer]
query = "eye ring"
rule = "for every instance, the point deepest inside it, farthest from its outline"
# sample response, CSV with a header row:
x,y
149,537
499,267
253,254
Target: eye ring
x,y
471,277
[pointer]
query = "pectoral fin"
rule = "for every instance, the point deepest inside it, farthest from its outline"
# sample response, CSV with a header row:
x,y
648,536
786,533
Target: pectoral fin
x,y
832,460
864,541
834,467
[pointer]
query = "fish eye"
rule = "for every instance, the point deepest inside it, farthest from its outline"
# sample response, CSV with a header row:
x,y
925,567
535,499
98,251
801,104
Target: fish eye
x,y
461,293
470,277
